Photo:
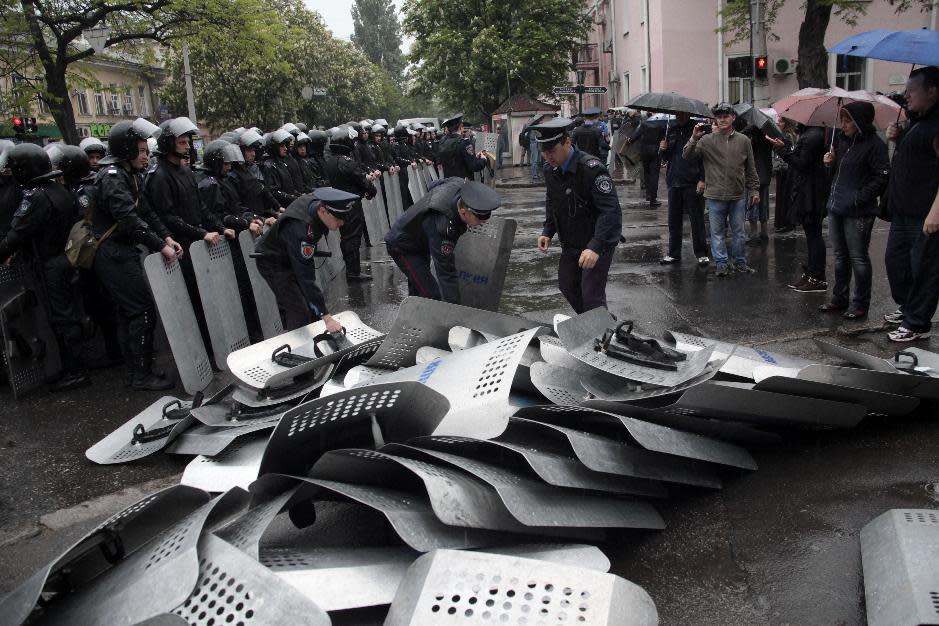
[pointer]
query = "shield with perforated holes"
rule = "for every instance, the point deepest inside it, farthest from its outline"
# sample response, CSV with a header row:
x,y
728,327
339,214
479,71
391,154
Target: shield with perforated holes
x,y
482,260
125,532
738,360
476,382
221,301
268,313
450,587
146,433
376,220
236,466
179,322
899,552
255,367
153,580
211,441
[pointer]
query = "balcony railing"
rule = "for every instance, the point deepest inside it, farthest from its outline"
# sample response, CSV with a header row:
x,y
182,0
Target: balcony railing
x,y
587,55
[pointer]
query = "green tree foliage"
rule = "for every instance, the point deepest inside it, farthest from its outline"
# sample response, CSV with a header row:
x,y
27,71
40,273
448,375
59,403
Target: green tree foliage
x,y
257,77
812,70
377,33
42,37
470,52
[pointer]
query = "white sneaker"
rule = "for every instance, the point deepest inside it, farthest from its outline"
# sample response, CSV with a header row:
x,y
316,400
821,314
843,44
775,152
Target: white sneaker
x,y
704,261
668,260
902,334
894,318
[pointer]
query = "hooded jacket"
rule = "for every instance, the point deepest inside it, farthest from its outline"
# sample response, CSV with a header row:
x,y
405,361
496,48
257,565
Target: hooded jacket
x,y
861,167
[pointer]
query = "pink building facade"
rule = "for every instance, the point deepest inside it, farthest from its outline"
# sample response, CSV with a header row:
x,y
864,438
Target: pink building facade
x,y
636,46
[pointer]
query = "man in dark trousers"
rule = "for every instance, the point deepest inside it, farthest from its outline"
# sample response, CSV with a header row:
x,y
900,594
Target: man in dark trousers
x,y
685,181
583,210
287,255
456,153
649,136
431,228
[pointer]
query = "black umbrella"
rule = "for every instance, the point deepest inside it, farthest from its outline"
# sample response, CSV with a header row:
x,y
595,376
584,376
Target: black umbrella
x,y
670,102
755,118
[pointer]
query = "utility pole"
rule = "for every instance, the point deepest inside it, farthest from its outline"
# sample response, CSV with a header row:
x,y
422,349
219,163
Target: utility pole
x,y
758,49
581,77
190,99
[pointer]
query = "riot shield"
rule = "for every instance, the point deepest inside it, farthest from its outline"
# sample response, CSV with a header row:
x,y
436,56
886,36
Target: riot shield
x,y
268,313
221,301
482,260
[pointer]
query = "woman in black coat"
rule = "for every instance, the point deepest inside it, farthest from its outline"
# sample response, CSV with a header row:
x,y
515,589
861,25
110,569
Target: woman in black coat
x,y
808,201
859,168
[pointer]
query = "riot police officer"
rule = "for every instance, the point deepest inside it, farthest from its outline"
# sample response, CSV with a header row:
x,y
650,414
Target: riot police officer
x,y
10,190
95,151
122,220
405,155
276,172
287,255
582,208
38,234
316,157
456,153
293,162
350,176
247,180
431,228
218,195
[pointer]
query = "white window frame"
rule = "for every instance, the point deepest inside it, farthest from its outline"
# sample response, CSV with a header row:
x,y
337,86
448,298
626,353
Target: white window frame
x,y
142,96
643,79
864,74
625,87
746,84
82,98
101,105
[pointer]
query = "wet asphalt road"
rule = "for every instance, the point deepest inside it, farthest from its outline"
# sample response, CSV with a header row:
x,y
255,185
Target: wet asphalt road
x,y
777,546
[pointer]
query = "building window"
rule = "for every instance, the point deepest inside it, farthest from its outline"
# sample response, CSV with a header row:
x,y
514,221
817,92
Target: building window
x,y
128,102
739,79
849,72
625,87
81,98
142,99
99,104
643,79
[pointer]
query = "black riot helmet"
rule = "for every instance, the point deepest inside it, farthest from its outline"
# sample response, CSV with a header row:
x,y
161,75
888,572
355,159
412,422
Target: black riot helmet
x,y
341,140
71,160
123,138
401,132
93,144
275,140
214,155
170,130
29,164
318,139
355,126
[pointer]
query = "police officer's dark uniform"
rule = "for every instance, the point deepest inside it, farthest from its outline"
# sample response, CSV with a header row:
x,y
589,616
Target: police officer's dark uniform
x,y
350,176
123,211
431,228
316,157
589,138
649,137
286,254
10,191
405,155
37,235
456,153
74,164
301,152
293,161
582,208
248,182
218,195
277,177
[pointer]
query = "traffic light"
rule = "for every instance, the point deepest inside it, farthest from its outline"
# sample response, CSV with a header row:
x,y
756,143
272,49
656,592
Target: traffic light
x,y
31,126
18,125
760,66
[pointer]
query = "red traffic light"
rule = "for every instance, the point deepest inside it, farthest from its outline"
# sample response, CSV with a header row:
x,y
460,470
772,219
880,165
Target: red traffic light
x,y
760,65
17,122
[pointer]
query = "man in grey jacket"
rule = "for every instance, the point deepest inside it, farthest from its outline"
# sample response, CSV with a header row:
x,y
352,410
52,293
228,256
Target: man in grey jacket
x,y
731,179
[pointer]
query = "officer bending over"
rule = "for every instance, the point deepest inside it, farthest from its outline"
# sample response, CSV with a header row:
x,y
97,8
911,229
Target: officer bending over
x,y
582,209
287,255
431,228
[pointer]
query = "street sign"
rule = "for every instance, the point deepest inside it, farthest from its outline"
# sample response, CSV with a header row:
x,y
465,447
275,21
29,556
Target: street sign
x,y
588,89
563,91
569,91
319,91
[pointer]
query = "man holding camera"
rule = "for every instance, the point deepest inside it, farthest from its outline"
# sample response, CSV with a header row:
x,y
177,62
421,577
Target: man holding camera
x,y
730,175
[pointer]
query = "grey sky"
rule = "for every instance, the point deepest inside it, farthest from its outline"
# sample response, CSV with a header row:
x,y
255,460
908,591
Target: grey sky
x,y
338,16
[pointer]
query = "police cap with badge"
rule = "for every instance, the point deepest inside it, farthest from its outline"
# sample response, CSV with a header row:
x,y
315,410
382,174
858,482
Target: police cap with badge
x,y
336,201
481,200
552,132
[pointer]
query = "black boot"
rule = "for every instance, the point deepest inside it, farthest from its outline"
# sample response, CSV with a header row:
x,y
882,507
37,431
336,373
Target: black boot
x,y
143,378
69,339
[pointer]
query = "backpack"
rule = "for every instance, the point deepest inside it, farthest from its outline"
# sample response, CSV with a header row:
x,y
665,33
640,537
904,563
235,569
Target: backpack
x,y
82,245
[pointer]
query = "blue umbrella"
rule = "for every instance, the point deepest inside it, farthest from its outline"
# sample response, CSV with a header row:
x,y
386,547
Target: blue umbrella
x,y
919,47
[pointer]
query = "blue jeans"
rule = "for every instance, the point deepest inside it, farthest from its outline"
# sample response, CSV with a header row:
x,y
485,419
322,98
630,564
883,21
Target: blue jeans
x,y
718,213
850,240
535,149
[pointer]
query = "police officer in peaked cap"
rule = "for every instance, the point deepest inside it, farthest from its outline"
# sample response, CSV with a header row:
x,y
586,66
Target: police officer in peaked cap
x,y
287,255
431,228
456,153
583,210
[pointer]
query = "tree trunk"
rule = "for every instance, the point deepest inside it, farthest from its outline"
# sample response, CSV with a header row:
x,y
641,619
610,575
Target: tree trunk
x,y
812,70
61,104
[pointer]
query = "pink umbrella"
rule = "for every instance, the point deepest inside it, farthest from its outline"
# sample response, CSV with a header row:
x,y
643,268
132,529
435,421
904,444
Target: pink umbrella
x,y
820,107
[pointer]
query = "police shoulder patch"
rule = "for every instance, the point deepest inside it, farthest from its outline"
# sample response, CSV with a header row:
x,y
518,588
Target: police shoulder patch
x,y
112,171
83,201
307,249
446,248
593,163
604,184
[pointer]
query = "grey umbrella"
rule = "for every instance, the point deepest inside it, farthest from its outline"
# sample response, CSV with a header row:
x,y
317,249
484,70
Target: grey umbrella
x,y
670,102
759,120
